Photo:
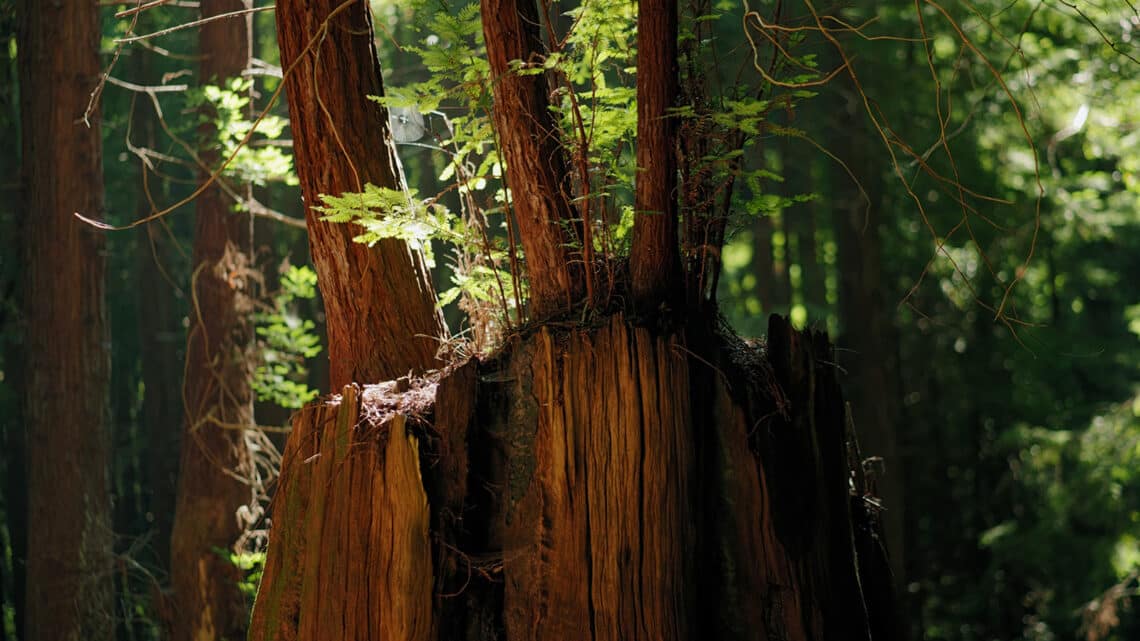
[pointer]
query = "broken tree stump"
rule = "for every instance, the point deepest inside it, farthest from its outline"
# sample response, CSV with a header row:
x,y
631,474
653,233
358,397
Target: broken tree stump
x,y
586,483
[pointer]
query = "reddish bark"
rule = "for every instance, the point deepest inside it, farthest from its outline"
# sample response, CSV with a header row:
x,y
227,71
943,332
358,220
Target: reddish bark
x,y
586,484
602,482
69,589
536,165
219,403
654,262
379,304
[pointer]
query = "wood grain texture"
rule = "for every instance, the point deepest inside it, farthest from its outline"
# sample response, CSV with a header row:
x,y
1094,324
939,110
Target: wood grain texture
x,y
379,303
600,535
355,561
602,483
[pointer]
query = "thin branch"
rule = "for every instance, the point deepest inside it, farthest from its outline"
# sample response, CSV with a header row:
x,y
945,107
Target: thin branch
x,y
215,175
142,7
195,23
149,89
257,209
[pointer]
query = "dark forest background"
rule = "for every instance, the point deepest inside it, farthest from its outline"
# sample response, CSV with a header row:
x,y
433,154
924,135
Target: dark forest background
x,y
988,345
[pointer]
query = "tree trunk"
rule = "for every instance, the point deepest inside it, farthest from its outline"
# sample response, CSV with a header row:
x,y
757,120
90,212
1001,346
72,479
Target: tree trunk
x,y
870,352
380,308
601,483
536,165
654,263
69,587
773,284
207,603
160,331
797,171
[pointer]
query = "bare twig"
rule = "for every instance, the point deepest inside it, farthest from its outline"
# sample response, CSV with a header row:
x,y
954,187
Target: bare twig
x,y
149,89
215,175
194,23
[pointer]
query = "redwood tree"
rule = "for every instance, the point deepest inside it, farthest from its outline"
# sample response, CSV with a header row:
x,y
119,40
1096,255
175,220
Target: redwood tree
x,y
655,267
379,304
870,355
207,603
69,588
536,164
648,477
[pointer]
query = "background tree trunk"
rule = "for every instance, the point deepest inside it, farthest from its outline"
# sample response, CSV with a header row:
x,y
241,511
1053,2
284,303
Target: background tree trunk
x,y
773,284
800,225
162,338
869,354
69,588
379,305
161,359
588,484
207,603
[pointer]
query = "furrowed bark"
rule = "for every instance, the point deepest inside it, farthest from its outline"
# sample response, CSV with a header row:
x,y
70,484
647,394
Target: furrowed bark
x,y
207,603
603,483
379,304
654,261
536,166
69,548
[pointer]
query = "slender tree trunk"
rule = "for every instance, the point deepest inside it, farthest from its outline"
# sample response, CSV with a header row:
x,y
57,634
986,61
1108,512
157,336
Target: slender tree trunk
x,y
812,271
802,225
380,308
588,484
654,263
870,354
162,343
773,285
536,166
219,404
162,413
69,587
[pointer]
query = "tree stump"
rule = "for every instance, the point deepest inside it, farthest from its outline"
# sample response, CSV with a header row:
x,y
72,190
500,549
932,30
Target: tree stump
x,y
588,483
